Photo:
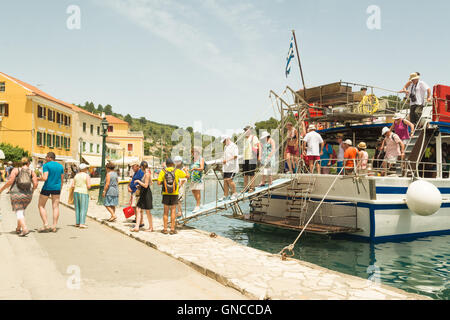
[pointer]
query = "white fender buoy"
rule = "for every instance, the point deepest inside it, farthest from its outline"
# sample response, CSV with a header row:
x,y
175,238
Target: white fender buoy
x,y
423,198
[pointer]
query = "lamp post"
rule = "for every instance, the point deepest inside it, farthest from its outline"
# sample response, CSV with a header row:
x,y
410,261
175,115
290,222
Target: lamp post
x,y
81,149
123,164
103,169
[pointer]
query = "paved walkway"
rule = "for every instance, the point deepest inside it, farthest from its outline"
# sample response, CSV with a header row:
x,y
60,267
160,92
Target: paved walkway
x,y
255,273
109,265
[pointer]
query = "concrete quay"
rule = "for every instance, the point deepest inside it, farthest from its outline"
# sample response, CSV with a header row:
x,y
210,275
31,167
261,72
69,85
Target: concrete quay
x,y
254,273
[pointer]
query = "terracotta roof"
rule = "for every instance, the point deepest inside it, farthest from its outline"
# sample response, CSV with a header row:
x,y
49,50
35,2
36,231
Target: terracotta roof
x,y
37,92
112,119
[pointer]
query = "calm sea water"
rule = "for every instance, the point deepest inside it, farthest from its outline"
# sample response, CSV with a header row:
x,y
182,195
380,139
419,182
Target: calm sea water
x,y
420,266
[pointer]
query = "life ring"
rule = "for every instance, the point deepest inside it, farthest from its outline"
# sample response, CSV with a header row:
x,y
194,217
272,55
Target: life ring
x,y
369,104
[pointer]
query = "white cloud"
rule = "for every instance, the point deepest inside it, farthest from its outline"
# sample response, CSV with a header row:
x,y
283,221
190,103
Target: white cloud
x,y
202,29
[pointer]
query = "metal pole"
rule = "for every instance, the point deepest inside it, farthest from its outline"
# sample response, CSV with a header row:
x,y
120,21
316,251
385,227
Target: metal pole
x,y
103,169
123,164
299,64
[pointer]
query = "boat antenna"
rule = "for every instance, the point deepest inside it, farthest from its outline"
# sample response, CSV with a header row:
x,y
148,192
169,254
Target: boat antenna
x,y
299,64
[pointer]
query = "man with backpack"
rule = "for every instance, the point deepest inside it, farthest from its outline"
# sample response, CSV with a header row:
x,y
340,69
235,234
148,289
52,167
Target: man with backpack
x,y
169,179
393,146
54,179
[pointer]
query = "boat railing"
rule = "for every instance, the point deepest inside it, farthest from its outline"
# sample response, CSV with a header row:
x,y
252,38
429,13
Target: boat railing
x,y
380,167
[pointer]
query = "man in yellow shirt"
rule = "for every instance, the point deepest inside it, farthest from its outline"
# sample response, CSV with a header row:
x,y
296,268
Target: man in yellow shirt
x,y
169,179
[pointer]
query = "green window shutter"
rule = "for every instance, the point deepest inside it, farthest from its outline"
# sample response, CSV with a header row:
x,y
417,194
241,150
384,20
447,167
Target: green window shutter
x,y
68,143
38,138
49,140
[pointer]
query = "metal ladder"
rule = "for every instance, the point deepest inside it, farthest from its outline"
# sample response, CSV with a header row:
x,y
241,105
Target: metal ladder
x,y
298,198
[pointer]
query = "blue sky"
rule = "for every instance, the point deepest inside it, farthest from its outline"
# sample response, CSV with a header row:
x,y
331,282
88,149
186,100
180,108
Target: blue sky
x,y
215,61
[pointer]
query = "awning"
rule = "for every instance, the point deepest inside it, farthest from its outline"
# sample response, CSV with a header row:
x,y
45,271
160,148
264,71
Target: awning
x,y
2,155
71,161
113,146
93,161
128,160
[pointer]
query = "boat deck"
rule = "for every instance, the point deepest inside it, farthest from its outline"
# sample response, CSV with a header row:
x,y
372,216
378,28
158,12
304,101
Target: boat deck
x,y
293,224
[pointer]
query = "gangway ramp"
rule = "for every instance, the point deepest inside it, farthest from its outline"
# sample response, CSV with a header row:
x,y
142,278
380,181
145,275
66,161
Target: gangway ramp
x,y
216,206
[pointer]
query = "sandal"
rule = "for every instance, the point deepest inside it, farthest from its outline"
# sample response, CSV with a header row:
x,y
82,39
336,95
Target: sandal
x,y
83,226
173,232
164,231
112,219
53,230
148,230
44,229
24,234
18,230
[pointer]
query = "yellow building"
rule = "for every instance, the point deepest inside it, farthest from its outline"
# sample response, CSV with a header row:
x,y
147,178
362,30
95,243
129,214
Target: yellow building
x,y
131,141
34,120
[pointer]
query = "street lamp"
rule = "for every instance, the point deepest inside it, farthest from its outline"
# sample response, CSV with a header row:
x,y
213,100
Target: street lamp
x,y
81,149
103,169
123,164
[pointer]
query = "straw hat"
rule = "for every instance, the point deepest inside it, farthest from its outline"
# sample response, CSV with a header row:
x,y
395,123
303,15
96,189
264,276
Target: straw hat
x,y
413,76
348,142
311,127
397,116
362,145
340,135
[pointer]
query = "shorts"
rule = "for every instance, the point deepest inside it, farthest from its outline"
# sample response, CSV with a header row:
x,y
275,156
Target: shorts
x,y
249,168
197,186
47,193
292,150
312,158
391,160
267,171
170,200
228,175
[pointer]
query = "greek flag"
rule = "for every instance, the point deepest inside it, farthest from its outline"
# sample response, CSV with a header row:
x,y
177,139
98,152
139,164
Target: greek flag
x,y
290,57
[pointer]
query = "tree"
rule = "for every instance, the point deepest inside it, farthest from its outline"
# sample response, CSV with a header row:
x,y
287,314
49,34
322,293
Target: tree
x,y
190,129
142,120
12,153
128,119
108,110
99,109
267,125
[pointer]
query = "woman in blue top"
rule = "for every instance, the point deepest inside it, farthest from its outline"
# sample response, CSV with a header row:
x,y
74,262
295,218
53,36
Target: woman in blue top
x,y
326,158
111,191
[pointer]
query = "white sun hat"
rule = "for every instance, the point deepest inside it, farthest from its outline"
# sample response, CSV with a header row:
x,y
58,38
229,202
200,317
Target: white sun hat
x,y
397,116
265,134
83,166
224,137
178,159
385,129
349,142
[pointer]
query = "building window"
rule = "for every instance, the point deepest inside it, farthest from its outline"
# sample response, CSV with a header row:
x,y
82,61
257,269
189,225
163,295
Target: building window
x,y
68,121
2,87
130,147
91,148
41,112
68,143
39,138
98,148
51,115
98,131
49,140
92,129
110,129
84,146
4,109
58,142
58,117
84,126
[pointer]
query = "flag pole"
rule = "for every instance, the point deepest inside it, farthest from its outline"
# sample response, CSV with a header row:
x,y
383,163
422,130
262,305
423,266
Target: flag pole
x,y
299,64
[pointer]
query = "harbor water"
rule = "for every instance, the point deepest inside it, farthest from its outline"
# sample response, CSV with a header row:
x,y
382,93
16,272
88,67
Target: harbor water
x,y
419,266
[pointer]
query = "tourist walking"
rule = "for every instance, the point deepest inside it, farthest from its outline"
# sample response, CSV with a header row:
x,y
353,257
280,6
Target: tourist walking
x,y
363,158
23,182
169,178
182,192
145,202
393,146
53,175
313,143
8,169
340,154
292,147
133,189
268,158
230,167
416,92
81,185
252,154
111,191
197,168
401,126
